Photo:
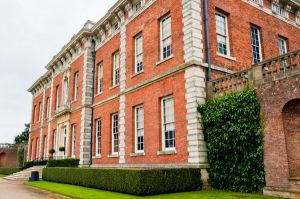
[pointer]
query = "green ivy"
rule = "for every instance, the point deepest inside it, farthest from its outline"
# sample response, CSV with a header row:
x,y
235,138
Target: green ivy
x,y
233,133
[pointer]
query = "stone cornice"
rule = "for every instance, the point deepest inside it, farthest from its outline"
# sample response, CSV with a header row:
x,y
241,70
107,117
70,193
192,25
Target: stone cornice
x,y
90,30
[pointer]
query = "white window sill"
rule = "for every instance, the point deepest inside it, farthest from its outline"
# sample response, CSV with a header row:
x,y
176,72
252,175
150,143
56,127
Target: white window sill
x,y
227,57
137,154
136,74
115,86
164,60
98,94
113,155
167,152
97,156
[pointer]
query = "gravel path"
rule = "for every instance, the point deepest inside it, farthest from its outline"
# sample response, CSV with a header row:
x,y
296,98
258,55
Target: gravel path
x,y
17,190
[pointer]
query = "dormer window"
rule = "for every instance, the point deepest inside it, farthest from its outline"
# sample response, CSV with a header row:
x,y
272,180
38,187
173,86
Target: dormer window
x,y
298,19
258,2
278,9
137,6
115,26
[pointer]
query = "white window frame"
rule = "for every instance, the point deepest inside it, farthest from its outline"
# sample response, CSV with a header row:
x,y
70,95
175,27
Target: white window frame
x,y
298,18
116,69
65,91
259,2
115,26
37,149
283,41
136,128
162,39
164,148
65,135
259,41
226,36
100,78
74,129
57,97
98,137
279,9
45,145
137,6
114,131
34,114
76,86
55,141
136,68
40,112
47,107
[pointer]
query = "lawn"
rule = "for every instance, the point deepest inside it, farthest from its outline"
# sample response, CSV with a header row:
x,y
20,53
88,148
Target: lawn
x,y
2,176
87,193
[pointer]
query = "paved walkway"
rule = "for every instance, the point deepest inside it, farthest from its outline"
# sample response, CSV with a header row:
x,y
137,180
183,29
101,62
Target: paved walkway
x,y
16,190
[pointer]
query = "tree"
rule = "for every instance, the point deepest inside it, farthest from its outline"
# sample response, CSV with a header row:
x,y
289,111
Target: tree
x,y
24,136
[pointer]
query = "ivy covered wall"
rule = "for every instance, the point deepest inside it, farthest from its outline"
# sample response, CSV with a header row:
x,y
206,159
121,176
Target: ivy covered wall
x,y
234,135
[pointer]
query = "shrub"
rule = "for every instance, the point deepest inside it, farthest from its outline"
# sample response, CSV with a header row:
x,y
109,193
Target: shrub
x,y
61,149
8,170
130,181
34,163
233,133
21,156
70,162
52,151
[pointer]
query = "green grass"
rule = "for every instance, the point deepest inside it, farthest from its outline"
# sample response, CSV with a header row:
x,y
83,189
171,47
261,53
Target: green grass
x,y
2,176
87,193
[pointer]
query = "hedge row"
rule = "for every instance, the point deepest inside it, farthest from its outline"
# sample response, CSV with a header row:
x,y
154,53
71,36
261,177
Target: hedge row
x,y
136,182
9,170
233,132
70,162
34,163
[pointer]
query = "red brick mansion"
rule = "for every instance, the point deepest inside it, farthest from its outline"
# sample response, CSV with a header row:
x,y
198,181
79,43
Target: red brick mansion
x,y
124,91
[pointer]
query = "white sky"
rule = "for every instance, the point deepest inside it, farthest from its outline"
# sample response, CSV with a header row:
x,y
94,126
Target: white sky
x,y
31,33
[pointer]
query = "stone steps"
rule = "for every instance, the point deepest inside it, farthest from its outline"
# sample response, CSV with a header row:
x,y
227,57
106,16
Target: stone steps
x,y
25,174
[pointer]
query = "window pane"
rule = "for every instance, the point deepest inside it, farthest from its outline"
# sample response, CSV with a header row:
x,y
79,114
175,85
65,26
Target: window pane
x,y
168,123
115,135
166,38
139,54
139,119
255,41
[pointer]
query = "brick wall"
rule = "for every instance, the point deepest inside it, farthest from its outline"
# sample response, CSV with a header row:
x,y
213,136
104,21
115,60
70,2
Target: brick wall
x,y
9,157
149,86
280,129
240,16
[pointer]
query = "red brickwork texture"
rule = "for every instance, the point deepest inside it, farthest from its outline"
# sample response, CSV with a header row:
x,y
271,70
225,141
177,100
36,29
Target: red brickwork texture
x,y
281,130
9,157
240,16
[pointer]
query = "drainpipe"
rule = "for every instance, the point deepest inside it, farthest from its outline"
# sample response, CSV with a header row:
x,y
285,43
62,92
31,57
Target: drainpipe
x,y
93,93
207,40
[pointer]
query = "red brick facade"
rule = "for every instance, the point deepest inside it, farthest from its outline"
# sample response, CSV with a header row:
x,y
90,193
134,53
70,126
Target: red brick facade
x,y
180,75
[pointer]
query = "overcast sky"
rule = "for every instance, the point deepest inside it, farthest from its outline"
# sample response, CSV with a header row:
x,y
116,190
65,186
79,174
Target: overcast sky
x,y
31,33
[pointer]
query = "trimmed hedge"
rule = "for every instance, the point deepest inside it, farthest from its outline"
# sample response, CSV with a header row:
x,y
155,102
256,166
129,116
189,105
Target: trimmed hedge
x,y
70,162
130,181
9,170
234,137
34,163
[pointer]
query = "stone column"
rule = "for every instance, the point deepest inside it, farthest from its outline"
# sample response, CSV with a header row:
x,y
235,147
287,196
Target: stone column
x,y
86,112
195,83
122,106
